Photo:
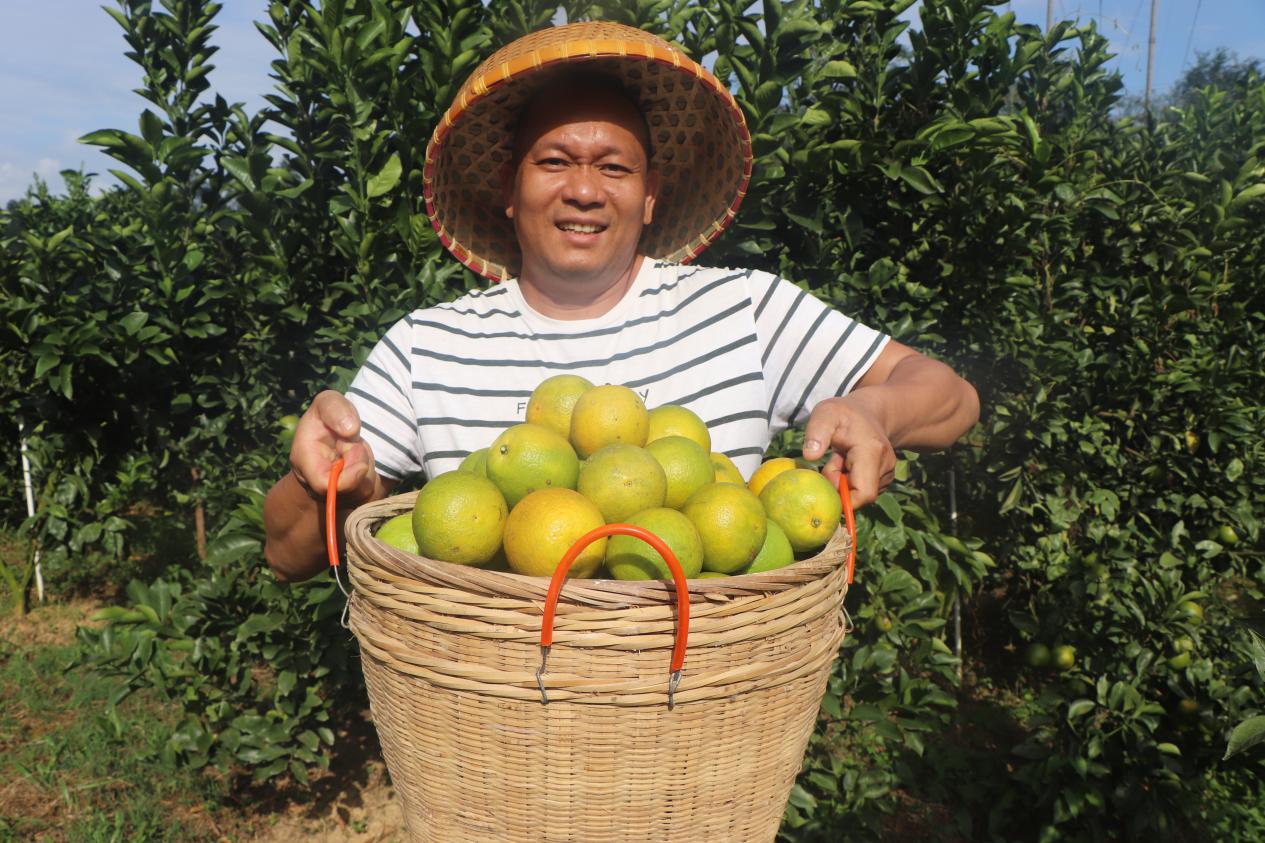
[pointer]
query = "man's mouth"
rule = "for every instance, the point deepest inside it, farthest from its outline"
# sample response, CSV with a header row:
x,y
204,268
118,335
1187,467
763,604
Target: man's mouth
x,y
581,228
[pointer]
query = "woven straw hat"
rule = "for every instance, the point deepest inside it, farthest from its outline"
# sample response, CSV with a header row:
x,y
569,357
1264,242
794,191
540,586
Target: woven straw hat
x,y
702,148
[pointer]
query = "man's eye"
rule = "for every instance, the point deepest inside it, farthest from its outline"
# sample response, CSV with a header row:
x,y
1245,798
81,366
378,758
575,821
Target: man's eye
x,y
552,162
616,169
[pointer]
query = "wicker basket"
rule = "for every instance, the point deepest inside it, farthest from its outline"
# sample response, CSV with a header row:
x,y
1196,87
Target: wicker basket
x,y
451,658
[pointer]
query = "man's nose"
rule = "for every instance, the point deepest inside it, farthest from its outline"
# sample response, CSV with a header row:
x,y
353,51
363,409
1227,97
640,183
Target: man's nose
x,y
583,187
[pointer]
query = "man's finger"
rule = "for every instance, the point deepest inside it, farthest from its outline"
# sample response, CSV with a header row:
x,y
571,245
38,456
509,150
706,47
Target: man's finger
x,y
337,414
863,475
833,468
824,423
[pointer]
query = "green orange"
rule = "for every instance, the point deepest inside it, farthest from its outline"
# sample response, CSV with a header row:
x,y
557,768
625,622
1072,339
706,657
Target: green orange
x,y
687,466
672,420
553,400
731,522
459,517
726,471
622,480
398,532
476,462
631,558
805,505
607,414
542,528
776,552
528,457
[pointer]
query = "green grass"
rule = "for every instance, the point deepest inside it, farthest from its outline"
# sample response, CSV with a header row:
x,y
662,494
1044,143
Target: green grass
x,y
70,772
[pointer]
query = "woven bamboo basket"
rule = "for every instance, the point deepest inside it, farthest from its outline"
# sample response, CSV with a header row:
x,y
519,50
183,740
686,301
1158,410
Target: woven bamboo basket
x,y
482,746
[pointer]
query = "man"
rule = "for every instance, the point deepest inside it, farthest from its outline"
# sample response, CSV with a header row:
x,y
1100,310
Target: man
x,y
611,161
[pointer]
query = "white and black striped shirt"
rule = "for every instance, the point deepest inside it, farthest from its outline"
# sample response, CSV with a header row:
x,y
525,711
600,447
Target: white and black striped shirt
x,y
750,353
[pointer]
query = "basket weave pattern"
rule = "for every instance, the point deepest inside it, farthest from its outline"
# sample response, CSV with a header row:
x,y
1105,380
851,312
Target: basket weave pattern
x,y
702,148
450,657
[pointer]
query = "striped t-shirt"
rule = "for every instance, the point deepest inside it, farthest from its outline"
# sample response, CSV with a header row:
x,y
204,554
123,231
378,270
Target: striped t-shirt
x,y
747,351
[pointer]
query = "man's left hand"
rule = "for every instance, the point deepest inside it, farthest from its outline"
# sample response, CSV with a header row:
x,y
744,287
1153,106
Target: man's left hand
x,y
858,440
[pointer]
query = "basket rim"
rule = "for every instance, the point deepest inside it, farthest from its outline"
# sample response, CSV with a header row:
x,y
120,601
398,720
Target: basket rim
x,y
610,593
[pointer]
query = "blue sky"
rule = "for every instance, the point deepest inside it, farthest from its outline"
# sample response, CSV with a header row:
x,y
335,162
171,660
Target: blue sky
x,y
63,72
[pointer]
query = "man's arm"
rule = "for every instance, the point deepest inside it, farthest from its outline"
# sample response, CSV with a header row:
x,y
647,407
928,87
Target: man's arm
x,y
905,400
294,510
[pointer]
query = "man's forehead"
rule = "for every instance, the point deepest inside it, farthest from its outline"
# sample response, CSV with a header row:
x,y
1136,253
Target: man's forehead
x,y
574,101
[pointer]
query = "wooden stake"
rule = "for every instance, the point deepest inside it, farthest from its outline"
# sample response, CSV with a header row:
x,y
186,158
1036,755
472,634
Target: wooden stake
x,y
199,518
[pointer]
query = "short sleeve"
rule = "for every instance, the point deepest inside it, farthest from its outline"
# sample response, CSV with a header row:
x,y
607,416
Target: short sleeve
x,y
382,394
809,351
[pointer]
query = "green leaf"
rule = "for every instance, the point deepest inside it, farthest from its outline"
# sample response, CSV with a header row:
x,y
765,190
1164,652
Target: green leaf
x,y
838,69
386,179
239,168
134,321
920,180
48,360
1245,736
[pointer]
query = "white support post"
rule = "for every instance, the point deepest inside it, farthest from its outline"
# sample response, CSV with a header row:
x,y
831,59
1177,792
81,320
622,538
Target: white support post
x,y
30,507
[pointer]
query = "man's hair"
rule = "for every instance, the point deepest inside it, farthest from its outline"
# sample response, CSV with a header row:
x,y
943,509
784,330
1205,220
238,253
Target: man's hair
x,y
570,82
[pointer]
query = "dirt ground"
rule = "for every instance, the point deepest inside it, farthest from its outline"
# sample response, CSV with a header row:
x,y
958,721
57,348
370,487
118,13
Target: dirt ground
x,y
352,802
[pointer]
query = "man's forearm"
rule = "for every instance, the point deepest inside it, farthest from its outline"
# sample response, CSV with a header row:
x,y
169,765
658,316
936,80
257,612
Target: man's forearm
x,y
923,404
293,522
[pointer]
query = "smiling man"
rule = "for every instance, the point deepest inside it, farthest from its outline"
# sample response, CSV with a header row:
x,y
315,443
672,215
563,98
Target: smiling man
x,y
585,177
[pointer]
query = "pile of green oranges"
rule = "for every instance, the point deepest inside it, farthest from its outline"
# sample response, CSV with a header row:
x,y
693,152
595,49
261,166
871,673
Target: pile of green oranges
x,y
593,455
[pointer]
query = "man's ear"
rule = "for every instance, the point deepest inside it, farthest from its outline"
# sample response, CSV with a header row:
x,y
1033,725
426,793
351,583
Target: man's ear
x,y
507,188
652,193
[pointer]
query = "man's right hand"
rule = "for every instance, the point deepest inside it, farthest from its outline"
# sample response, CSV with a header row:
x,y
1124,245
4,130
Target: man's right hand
x,y
294,510
330,429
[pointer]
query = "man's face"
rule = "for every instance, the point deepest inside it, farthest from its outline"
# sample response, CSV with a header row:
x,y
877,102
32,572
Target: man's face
x,y
582,191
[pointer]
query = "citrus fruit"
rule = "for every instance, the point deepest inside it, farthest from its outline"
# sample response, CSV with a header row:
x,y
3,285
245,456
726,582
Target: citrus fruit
x,y
671,420
731,522
499,562
542,528
805,506
1037,655
607,414
398,532
1189,707
726,471
476,462
622,480
553,400
1065,657
1181,661
686,465
1227,535
707,575
459,517
528,457
1184,644
775,553
630,558
884,623
1191,611
767,471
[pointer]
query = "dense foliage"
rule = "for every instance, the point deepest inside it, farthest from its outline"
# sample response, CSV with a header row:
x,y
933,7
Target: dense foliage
x,y
966,184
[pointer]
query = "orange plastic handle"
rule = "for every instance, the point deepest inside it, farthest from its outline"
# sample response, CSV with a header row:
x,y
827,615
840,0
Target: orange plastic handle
x,y
845,496
331,513
678,577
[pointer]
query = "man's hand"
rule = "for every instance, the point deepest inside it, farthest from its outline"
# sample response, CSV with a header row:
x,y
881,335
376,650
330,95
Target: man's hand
x,y
330,429
905,400
294,510
857,438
